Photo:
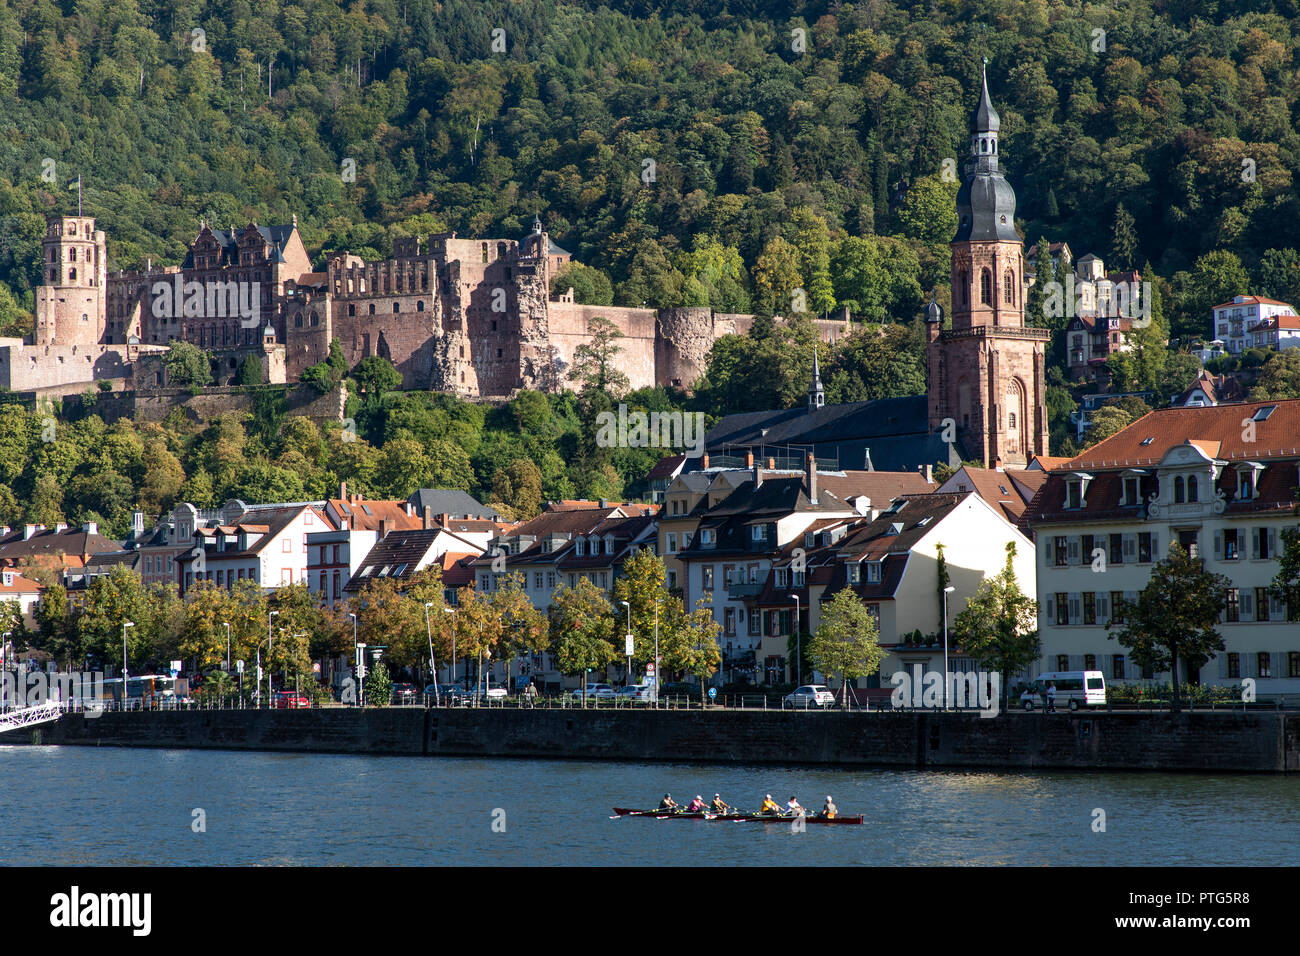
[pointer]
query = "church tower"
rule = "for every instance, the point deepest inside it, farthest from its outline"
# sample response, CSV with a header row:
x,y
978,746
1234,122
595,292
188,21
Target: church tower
x,y
987,370
816,394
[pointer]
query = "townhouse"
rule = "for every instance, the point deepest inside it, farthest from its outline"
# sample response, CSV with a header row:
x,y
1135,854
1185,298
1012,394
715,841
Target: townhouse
x,y
263,543
1238,323
1219,480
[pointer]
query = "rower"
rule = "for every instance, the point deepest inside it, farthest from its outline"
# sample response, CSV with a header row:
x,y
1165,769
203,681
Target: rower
x,y
769,806
718,805
697,805
793,808
829,811
668,803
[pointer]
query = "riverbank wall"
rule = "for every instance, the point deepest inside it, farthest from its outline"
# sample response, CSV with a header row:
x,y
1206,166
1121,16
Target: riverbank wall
x,y
1236,742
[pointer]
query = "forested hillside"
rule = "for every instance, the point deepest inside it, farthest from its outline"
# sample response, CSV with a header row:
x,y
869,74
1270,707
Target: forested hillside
x,y
168,113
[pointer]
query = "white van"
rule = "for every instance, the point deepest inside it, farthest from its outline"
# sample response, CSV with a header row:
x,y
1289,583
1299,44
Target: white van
x,y
1074,689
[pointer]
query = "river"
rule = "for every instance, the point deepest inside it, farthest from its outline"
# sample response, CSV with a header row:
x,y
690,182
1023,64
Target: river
x,y
116,806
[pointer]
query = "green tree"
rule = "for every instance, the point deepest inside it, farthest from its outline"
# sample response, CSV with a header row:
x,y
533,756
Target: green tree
x,y
1286,583
847,641
998,627
1279,379
1174,617
590,285
582,629
374,376
187,365
1123,239
594,361
928,211
250,371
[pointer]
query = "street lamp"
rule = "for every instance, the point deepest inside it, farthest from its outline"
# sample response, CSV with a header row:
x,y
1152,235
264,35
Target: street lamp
x,y
656,653
125,625
452,612
433,667
798,644
946,591
356,663
270,643
628,646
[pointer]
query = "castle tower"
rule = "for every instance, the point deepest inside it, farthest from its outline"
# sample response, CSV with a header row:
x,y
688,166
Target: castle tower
x,y
987,370
71,302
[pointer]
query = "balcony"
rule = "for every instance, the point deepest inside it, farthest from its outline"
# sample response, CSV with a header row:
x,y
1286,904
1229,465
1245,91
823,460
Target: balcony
x,y
741,591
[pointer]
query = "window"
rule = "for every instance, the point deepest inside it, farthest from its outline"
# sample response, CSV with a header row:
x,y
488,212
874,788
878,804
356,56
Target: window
x,y
1232,610
855,573
757,533
1117,667
707,572
1231,546
1261,604
1116,607
1062,662
1130,491
287,545
1062,611
537,580
1075,495
1089,609
1234,665
550,580
1062,551
781,575
986,287
1191,488
1246,484
1144,547
1116,549
580,545
755,624
1179,490
1293,664
1264,662
729,621
1090,662
1008,282
672,542
1265,543
873,570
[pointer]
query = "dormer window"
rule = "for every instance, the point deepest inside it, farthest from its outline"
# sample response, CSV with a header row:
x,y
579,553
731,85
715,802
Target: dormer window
x,y
579,547
808,539
757,534
855,573
1077,490
797,579
781,579
1246,483
873,571
706,537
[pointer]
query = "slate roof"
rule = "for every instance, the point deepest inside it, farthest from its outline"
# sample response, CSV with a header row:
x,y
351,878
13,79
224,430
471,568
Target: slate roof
x,y
450,501
369,515
275,236
895,431
400,551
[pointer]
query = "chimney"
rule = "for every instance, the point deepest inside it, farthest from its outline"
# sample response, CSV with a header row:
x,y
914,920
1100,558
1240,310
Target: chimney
x,y
428,518
444,519
137,523
343,490
704,461
927,472
30,529
385,526
749,459
756,468
771,464
90,527
60,527
812,478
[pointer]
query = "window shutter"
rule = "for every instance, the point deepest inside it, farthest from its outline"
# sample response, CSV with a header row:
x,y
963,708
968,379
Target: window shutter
x,y
1076,602
1047,552
1272,543
1130,547
1278,664
1247,605
1051,610
1254,543
1103,608
1073,545
1218,543
1155,547
1223,664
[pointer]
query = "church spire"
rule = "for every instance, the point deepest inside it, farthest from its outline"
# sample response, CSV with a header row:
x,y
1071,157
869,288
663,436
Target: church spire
x,y
816,394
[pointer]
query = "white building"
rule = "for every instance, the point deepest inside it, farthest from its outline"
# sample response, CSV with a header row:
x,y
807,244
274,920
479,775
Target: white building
x,y
264,543
1232,322
1218,480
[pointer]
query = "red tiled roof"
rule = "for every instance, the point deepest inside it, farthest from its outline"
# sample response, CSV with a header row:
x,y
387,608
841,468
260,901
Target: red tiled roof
x,y
1250,300
1218,430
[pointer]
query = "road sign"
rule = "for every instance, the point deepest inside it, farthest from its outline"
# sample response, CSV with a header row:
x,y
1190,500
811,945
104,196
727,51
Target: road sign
x,y
713,692
650,668
239,666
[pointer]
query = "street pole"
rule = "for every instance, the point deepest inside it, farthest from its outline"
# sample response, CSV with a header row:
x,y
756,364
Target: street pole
x,y
628,679
452,612
356,654
656,653
227,623
798,643
125,680
270,643
433,667
946,591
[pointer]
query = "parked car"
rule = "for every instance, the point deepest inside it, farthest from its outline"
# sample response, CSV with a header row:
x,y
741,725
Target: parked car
x,y
595,690
449,695
637,693
290,700
810,695
406,694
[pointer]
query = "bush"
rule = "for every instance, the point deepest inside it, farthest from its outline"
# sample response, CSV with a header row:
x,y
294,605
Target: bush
x,y
379,686
105,385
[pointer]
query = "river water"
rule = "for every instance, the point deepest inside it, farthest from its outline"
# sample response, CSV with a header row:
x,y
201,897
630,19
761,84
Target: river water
x,y
89,806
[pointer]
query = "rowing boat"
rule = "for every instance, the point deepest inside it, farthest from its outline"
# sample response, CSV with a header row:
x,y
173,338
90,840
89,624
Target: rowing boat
x,y
730,817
